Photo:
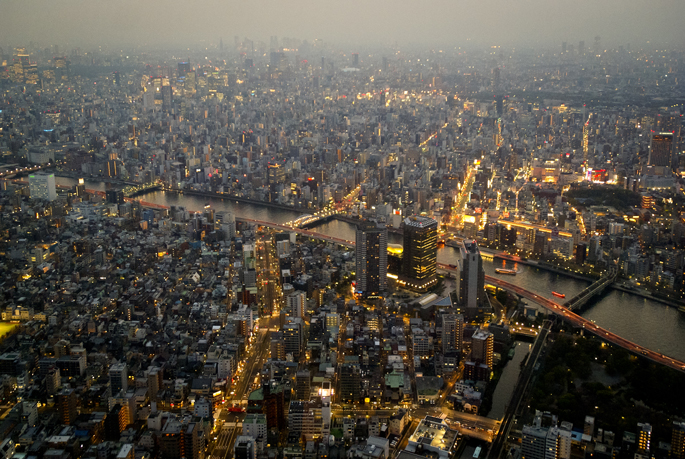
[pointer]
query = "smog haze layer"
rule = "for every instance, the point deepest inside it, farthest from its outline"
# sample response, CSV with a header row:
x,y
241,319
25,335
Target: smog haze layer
x,y
171,23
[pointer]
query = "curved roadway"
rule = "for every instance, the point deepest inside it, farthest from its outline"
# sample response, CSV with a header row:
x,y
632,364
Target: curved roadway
x,y
578,321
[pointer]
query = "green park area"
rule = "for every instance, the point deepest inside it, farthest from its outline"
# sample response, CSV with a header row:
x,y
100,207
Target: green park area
x,y
611,196
582,376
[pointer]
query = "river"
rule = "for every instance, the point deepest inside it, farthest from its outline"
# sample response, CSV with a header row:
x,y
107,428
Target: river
x,y
645,322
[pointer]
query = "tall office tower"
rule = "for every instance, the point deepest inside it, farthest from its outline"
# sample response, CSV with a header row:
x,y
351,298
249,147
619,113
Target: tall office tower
x,y
276,60
31,73
274,403
644,436
245,448
183,68
277,346
661,149
254,426
66,402
80,188
20,64
355,60
586,139
471,279
115,423
452,332
42,186
581,47
118,378
563,47
678,440
325,393
385,64
499,103
292,340
350,383
167,94
672,124
420,252
249,260
482,343
296,304
193,440
225,221
372,259
598,45
496,77
302,385
540,442
61,67
154,382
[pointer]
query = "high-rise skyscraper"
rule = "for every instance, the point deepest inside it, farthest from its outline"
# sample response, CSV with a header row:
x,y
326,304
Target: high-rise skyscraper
x,y
245,448
296,304
672,124
42,186
372,259
678,440
292,338
67,403
539,442
302,385
471,280
452,332
482,345
183,68
355,60
350,383
661,149
586,139
118,378
420,252
644,436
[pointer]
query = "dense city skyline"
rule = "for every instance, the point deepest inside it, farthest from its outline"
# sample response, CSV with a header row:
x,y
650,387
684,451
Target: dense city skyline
x,y
229,232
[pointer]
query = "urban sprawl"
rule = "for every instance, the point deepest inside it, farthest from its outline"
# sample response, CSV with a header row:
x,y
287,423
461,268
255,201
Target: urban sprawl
x,y
134,329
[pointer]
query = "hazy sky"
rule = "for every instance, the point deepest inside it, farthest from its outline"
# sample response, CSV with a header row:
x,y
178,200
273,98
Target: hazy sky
x,y
440,22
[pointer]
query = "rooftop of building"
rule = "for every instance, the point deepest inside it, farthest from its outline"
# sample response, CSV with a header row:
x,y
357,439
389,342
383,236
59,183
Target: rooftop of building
x,y
433,432
418,221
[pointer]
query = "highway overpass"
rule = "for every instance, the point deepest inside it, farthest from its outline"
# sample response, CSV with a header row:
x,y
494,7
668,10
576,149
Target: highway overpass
x,y
580,322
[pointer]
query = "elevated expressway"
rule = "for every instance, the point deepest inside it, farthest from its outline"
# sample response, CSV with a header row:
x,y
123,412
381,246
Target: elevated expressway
x,y
580,322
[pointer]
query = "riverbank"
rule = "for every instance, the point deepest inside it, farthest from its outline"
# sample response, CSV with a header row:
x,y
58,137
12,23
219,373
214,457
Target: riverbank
x,y
548,267
229,197
645,294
